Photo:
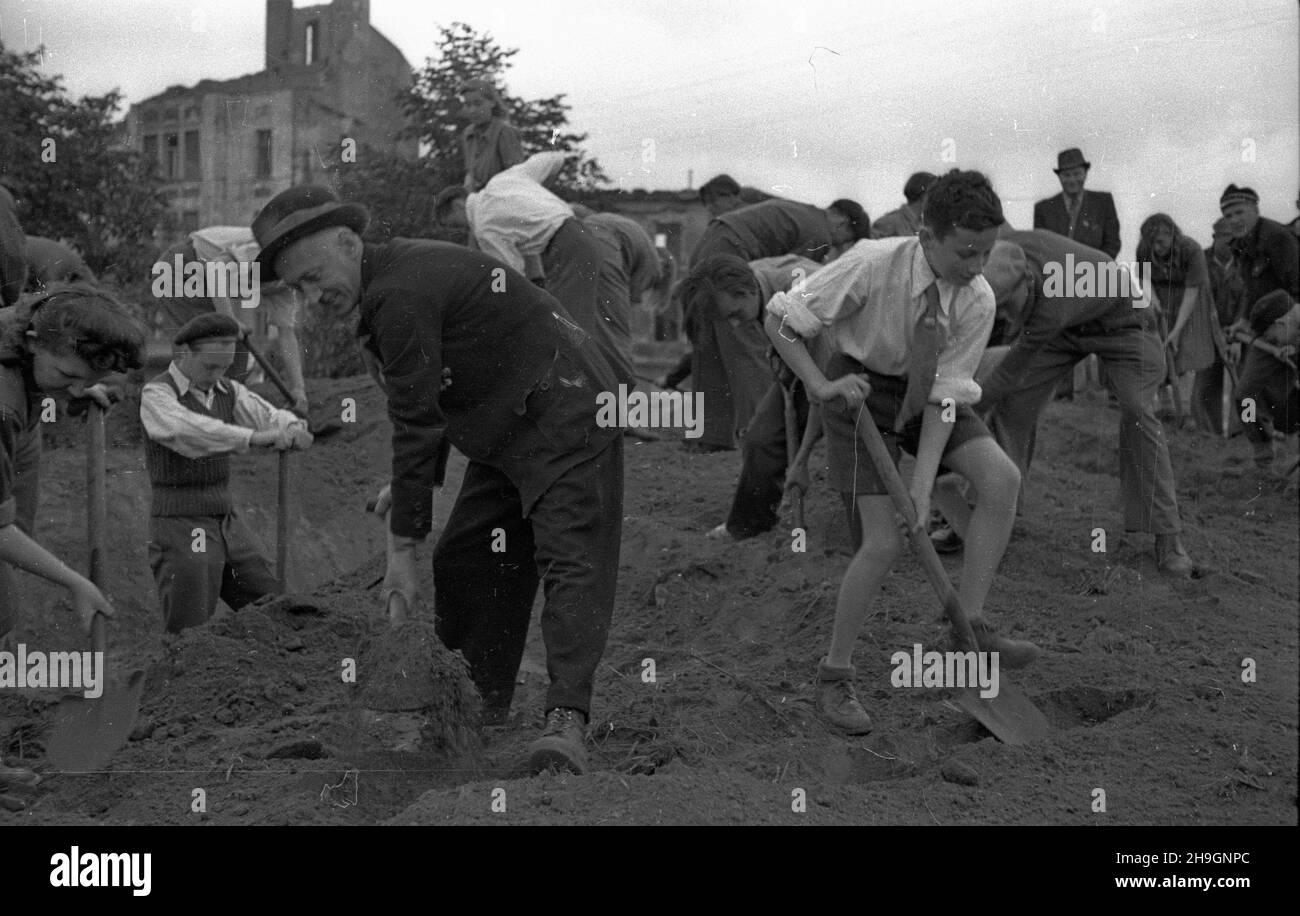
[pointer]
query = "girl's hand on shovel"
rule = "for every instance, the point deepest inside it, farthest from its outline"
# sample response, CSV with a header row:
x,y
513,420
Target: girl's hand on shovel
x,y
921,505
87,601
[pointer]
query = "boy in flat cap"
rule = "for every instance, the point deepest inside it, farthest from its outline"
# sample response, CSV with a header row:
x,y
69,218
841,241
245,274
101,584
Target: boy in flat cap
x,y
57,345
195,419
543,492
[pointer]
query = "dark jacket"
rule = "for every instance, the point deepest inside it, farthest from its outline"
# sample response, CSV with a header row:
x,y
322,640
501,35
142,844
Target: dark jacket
x,y
523,380
1045,317
1269,257
20,409
1226,284
1097,225
13,264
776,227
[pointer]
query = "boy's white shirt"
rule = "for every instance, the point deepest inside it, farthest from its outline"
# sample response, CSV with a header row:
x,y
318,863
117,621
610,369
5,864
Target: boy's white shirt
x,y
867,279
195,435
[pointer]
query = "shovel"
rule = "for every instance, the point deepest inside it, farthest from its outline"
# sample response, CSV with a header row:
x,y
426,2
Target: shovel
x,y
328,428
282,489
88,732
792,441
1010,715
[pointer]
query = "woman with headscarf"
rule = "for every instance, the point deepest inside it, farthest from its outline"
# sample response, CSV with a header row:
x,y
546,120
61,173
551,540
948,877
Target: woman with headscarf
x,y
1180,285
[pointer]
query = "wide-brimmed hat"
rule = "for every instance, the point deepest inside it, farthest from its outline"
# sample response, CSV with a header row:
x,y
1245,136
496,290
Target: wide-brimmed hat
x,y
297,213
1070,159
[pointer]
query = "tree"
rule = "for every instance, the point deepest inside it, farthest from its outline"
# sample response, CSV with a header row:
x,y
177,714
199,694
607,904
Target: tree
x,y
71,176
400,192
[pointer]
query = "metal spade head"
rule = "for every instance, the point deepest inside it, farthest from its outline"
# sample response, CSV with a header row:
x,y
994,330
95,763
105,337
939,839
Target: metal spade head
x,y
1010,715
87,732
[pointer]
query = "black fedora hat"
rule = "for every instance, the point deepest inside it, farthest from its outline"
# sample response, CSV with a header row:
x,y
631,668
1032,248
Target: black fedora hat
x,y
297,213
1070,159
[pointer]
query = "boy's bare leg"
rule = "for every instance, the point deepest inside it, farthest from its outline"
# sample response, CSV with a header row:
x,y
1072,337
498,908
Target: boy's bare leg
x,y
881,545
950,499
997,486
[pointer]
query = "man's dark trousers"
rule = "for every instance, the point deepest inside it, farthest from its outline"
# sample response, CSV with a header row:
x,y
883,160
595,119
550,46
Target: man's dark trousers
x,y
570,540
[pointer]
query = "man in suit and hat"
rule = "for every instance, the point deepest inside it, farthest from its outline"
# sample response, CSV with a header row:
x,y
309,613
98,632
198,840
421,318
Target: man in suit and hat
x,y
1088,217
543,491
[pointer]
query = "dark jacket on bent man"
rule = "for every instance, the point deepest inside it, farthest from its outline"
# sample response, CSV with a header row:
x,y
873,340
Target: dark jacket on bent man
x,y
1045,318
1269,259
1096,226
776,227
523,380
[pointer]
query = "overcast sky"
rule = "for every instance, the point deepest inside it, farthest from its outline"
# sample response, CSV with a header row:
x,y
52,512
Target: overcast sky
x,y
818,99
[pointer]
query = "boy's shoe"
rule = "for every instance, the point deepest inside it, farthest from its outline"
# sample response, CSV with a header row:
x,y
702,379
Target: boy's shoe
x,y
945,540
837,700
1171,558
561,744
1012,653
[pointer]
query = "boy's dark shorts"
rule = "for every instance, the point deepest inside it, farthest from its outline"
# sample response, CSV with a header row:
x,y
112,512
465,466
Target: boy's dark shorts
x,y
846,451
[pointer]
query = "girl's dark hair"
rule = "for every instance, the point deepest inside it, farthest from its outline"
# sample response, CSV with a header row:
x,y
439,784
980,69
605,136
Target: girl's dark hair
x,y
488,91
859,222
1154,223
84,321
720,272
961,199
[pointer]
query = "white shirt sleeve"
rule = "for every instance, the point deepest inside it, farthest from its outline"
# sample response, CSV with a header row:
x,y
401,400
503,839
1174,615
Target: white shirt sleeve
x,y
830,294
188,433
256,412
541,166
969,327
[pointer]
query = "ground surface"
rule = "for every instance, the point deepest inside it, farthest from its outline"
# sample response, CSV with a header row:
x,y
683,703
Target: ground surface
x,y
1142,677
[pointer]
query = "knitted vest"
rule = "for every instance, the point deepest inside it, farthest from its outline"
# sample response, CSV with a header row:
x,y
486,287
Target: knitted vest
x,y
191,486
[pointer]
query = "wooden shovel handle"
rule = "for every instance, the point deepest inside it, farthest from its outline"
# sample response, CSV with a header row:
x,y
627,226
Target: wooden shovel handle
x,y
96,514
930,561
792,441
282,522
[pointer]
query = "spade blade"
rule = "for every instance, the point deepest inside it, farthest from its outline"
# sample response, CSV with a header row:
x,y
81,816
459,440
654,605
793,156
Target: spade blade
x,y
87,732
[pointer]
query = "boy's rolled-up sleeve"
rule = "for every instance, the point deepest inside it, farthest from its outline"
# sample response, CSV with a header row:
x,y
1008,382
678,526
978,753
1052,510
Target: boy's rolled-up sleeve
x,y
830,294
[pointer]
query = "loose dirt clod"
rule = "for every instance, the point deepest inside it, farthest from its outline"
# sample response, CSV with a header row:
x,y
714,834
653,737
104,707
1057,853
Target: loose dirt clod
x,y
407,668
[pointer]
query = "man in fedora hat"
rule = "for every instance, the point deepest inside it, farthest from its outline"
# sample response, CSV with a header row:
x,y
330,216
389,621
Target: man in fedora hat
x,y
543,491
1086,216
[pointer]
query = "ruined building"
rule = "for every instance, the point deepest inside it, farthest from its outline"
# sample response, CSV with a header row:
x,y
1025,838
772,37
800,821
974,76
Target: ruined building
x,y
225,147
